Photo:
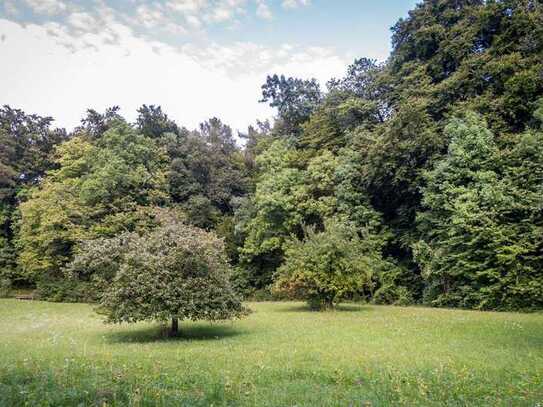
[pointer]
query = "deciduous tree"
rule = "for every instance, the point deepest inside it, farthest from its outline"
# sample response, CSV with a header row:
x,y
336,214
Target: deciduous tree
x,y
175,272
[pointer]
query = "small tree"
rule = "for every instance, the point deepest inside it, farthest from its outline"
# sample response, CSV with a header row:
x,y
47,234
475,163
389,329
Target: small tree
x,y
174,272
329,266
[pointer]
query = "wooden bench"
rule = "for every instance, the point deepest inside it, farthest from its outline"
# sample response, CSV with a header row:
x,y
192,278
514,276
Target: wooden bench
x,y
28,297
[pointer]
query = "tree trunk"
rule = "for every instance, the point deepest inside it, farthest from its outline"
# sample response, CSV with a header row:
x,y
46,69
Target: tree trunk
x,y
328,304
175,327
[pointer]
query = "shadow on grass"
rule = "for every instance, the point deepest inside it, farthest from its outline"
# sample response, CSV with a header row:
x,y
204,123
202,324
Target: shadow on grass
x,y
159,333
339,308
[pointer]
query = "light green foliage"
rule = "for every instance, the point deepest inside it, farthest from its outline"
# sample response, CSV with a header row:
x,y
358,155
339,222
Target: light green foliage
x,y
96,262
26,144
294,191
175,271
277,209
96,191
482,225
281,355
329,266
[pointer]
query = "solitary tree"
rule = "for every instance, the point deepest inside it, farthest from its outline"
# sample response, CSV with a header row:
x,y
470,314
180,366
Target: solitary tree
x,y
174,272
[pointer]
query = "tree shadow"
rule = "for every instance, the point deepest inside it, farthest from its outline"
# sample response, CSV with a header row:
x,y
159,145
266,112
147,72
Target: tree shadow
x,y
161,333
338,308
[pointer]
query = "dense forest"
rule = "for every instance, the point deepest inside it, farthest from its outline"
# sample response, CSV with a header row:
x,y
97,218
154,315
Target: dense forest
x,y
423,174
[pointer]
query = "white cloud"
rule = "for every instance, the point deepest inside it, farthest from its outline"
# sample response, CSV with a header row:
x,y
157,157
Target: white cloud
x,y
295,3
49,7
57,71
220,14
245,58
195,12
263,10
225,10
149,16
187,6
10,8
193,21
83,22
154,16
84,30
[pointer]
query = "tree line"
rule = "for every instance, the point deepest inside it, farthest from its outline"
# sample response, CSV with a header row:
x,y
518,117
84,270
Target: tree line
x,y
416,180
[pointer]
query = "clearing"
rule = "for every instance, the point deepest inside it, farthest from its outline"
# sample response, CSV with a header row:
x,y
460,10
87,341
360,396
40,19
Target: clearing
x,y
281,355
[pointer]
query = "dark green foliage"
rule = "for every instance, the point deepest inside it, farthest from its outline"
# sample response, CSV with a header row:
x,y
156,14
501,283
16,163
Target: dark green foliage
x,y
393,155
64,290
201,212
206,166
5,288
482,245
26,146
382,131
328,126
295,100
153,122
95,124
395,286
482,55
433,155
365,81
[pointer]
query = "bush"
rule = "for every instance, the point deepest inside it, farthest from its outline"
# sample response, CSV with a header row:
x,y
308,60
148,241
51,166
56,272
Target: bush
x,y
329,266
5,288
395,295
392,289
64,290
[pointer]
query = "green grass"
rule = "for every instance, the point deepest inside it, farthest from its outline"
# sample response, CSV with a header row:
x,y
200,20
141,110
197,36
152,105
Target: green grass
x,y
282,355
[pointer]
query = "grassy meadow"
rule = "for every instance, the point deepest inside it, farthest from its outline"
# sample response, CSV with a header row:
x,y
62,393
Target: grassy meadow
x,y
281,355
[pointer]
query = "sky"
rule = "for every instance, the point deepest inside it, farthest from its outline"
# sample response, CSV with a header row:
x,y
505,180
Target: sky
x,y
196,58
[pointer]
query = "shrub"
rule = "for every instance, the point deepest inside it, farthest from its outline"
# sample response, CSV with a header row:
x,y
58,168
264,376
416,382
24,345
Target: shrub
x,y
5,288
63,290
327,267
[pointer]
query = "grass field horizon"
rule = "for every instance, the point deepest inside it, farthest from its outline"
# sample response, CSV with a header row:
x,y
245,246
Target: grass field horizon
x,y
281,355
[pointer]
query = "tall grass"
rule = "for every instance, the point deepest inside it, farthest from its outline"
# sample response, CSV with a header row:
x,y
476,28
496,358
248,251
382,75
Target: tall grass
x,y
282,355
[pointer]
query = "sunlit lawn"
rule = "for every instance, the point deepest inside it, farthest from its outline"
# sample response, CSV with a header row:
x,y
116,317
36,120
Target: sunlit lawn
x,y
282,355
